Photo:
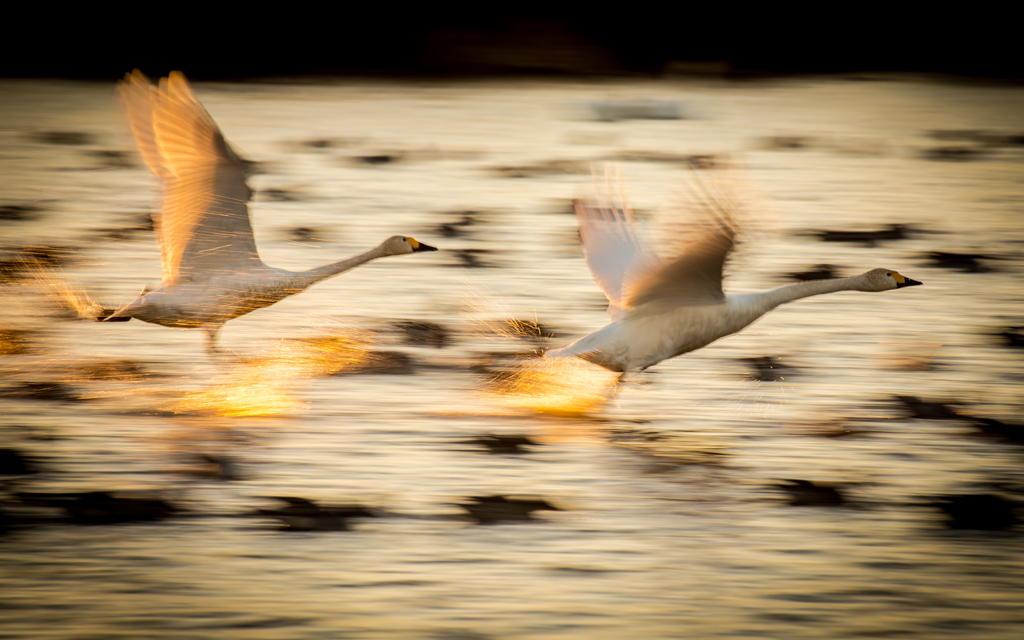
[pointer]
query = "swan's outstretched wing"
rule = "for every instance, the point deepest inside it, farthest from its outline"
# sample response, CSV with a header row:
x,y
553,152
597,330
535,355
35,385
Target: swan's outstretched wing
x,y
694,276
614,248
204,227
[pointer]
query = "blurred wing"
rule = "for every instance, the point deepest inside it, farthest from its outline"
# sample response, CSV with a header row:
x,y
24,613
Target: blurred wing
x,y
694,276
204,226
613,247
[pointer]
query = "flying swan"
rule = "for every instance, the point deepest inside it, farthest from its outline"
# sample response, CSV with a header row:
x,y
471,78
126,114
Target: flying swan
x,y
662,308
212,272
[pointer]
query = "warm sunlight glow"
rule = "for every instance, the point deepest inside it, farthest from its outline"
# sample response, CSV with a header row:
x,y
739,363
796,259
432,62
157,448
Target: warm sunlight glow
x,y
567,386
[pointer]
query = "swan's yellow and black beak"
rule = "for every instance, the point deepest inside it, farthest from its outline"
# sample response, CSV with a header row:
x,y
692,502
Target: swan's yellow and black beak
x,y
419,246
902,281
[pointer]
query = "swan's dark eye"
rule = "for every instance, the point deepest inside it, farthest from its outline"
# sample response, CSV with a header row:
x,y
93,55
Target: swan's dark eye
x,y
889,274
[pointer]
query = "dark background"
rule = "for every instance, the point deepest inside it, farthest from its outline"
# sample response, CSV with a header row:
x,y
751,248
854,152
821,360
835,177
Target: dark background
x,y
214,41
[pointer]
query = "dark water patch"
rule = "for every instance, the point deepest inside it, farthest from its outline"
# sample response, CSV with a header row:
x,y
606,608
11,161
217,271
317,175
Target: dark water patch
x,y
785,143
305,234
769,368
978,136
1008,431
301,514
378,159
867,238
962,262
915,407
817,272
69,138
113,159
805,493
508,444
540,169
496,509
42,391
19,212
390,363
128,232
890,565
953,153
983,511
101,507
690,160
619,110
794,618
328,143
278,195
212,466
457,229
16,463
470,258
421,332
1012,337
582,571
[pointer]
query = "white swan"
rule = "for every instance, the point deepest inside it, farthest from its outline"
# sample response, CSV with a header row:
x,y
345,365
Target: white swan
x,y
212,272
662,308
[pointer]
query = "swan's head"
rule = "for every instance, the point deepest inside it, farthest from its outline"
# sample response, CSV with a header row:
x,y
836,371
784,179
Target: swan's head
x,y
884,280
397,245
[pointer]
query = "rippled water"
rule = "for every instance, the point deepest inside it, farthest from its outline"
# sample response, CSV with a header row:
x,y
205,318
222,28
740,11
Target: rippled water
x,y
670,521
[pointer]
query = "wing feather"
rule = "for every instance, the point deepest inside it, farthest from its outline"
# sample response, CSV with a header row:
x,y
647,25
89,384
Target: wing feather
x,y
204,225
628,269
613,246
694,276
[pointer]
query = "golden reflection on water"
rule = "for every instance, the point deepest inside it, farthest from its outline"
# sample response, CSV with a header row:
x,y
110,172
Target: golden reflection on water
x,y
562,386
259,386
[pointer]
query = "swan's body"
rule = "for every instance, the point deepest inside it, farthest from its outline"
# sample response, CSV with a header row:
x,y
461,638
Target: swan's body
x,y
664,308
212,271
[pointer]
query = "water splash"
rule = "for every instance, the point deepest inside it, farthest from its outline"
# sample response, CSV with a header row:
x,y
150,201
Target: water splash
x,y
563,386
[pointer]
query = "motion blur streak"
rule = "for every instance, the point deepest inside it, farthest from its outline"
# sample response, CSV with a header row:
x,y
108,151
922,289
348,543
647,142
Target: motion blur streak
x,y
849,466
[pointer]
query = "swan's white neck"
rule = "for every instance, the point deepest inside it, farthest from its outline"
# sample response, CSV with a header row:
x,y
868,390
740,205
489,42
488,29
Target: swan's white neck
x,y
304,279
790,292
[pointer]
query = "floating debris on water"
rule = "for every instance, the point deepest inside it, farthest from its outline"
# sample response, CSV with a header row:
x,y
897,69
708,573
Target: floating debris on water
x,y
420,332
301,514
805,493
983,511
927,410
504,444
963,262
868,238
495,509
19,212
818,272
768,368
101,507
70,138
16,463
